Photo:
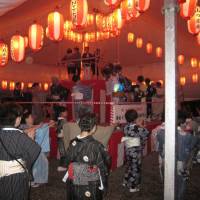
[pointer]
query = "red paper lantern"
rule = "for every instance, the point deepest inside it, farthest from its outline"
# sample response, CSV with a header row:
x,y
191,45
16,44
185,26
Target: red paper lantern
x,y
111,2
55,26
181,59
194,22
12,85
159,52
90,19
182,80
128,10
79,12
193,62
3,54
4,85
130,37
17,48
36,35
149,48
142,5
46,86
187,9
195,78
139,43
116,20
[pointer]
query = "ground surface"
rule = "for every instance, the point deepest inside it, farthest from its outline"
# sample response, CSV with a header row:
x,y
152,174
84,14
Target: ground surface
x,y
152,189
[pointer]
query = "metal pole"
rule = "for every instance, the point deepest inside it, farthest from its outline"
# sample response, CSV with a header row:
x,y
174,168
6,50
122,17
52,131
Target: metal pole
x,y
170,9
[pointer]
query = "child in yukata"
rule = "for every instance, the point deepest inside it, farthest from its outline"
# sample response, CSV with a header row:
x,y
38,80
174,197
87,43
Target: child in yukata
x,y
61,121
87,164
135,138
40,169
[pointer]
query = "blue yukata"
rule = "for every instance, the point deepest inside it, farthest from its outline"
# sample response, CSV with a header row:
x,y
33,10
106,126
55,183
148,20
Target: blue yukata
x,y
135,138
41,166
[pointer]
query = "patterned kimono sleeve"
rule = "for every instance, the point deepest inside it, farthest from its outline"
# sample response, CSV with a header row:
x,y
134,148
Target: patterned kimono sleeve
x,y
144,134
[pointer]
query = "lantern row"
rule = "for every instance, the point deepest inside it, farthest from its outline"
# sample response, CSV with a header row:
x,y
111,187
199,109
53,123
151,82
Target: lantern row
x,y
11,85
194,62
108,26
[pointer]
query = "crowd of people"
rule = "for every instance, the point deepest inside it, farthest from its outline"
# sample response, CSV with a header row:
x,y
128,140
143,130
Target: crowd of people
x,y
72,60
121,89
24,147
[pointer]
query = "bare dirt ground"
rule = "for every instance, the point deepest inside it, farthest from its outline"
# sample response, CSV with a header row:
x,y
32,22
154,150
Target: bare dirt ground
x,y
152,188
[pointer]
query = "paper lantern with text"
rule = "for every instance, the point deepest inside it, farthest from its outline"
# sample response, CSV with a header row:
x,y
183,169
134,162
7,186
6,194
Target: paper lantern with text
x,y
22,85
139,43
187,9
17,48
195,78
193,62
128,10
142,5
36,36
79,12
149,48
55,26
4,85
182,80
12,85
130,37
194,23
3,54
159,52
99,21
181,59
111,2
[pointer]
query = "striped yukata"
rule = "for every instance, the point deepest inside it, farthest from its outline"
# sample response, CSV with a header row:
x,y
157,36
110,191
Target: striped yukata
x,y
18,146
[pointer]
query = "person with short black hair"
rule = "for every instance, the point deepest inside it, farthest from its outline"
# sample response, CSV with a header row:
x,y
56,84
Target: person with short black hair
x,y
17,155
61,122
135,138
87,163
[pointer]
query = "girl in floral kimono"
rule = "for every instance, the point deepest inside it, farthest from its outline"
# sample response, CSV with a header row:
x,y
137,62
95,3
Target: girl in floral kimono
x,y
135,137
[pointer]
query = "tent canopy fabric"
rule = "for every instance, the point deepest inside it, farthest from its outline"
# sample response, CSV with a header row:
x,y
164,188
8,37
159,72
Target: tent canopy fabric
x,y
6,5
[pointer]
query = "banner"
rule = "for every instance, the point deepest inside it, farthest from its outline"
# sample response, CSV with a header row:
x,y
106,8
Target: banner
x,y
118,112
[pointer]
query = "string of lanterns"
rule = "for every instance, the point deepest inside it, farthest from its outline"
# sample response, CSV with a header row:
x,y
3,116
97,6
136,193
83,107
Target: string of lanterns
x,y
11,85
191,12
108,26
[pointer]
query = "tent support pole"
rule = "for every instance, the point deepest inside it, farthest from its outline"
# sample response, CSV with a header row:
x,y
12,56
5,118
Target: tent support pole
x,y
170,11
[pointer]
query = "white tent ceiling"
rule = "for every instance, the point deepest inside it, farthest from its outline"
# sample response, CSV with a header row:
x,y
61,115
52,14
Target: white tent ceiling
x,y
7,5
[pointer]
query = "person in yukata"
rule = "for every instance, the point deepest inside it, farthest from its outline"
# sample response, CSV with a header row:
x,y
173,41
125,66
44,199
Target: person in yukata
x,y
61,121
88,164
18,153
186,143
135,138
40,169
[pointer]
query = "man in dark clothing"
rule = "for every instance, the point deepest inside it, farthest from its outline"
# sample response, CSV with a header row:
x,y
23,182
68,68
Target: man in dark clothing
x,y
77,61
87,63
18,153
150,92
